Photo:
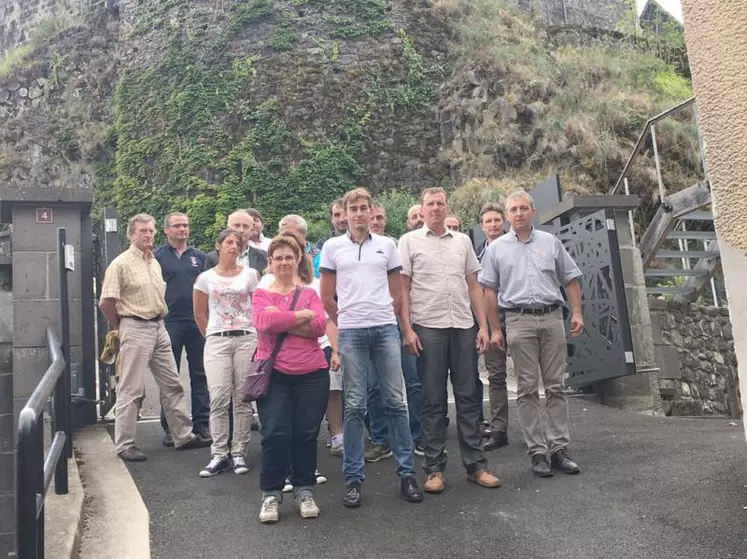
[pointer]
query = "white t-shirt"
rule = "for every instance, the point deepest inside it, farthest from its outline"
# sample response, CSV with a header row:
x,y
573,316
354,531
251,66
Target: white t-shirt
x,y
266,282
229,299
362,272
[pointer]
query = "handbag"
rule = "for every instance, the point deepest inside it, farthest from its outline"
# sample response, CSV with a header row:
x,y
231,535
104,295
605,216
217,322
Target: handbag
x,y
257,382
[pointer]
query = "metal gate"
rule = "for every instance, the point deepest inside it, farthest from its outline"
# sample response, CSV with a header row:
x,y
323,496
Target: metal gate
x,y
605,348
107,244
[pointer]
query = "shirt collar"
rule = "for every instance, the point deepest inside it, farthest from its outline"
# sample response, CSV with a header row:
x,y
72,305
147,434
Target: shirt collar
x,y
172,248
529,240
352,240
140,254
426,230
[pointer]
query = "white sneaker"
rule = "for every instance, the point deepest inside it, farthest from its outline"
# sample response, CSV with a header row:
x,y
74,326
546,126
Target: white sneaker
x,y
287,488
308,507
239,465
269,513
320,478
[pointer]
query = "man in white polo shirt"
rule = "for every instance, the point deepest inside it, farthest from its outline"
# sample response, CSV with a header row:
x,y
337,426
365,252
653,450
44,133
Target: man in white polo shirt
x,y
363,270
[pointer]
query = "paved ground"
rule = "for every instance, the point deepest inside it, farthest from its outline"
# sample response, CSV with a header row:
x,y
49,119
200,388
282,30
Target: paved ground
x,y
650,487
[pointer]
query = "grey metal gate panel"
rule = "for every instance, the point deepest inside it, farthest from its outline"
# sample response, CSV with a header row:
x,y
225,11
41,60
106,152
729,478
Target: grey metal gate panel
x,y
605,349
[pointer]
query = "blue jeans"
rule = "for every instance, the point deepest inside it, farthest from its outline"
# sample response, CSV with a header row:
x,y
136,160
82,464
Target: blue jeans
x,y
373,352
186,335
291,413
377,421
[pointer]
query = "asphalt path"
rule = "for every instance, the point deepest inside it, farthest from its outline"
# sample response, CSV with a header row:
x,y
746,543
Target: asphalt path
x,y
650,487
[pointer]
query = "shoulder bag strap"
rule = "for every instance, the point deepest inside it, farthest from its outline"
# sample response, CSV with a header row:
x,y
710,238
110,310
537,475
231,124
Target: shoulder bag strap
x,y
281,337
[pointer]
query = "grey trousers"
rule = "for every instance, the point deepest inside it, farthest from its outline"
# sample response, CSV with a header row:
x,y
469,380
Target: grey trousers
x,y
538,348
495,363
444,350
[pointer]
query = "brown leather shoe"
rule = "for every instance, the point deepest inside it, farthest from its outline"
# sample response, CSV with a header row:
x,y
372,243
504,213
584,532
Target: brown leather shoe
x,y
434,483
484,478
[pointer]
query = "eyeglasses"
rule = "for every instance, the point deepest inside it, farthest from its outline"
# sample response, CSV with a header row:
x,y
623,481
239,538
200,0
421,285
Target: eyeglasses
x,y
282,258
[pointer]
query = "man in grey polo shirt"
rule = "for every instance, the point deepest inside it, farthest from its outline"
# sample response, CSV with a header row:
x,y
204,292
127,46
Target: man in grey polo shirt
x,y
363,270
440,268
527,267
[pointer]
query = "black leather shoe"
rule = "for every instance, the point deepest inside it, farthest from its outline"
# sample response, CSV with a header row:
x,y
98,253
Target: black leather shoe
x,y
132,454
196,442
563,463
540,466
352,498
168,440
496,440
203,431
408,486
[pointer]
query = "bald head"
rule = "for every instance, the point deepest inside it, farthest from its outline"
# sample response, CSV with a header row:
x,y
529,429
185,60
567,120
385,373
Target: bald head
x,y
415,217
241,221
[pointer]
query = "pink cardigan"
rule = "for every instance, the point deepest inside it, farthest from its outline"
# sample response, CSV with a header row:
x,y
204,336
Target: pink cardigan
x,y
297,355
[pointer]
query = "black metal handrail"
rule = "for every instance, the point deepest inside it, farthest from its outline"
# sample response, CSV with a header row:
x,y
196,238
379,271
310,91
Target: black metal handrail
x,y
34,472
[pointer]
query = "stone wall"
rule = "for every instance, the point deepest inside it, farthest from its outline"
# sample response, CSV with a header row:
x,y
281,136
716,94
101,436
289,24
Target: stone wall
x,y
602,14
695,352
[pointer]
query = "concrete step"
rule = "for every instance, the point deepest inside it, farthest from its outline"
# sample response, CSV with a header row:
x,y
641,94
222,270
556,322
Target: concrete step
x,y
674,272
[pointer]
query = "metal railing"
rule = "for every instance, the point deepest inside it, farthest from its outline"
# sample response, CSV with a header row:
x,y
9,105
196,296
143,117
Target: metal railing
x,y
34,472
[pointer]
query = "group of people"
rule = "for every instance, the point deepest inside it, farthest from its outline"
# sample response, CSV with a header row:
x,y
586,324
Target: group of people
x,y
362,329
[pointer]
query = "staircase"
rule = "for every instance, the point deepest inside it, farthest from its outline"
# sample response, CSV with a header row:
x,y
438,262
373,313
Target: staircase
x,y
678,247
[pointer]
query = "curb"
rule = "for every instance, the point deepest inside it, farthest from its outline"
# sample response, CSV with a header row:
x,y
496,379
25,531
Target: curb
x,y
117,523
63,517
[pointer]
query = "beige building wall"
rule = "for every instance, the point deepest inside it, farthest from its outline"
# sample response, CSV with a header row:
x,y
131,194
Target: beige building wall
x,y
716,35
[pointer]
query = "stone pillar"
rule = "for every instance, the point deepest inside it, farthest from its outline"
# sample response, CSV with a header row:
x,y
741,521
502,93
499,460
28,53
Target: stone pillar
x,y
639,392
717,50
34,306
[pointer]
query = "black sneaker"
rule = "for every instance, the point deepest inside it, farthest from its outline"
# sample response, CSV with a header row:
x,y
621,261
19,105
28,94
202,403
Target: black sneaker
x,y
563,463
408,486
377,452
168,440
352,498
203,431
419,448
496,440
195,442
215,467
540,466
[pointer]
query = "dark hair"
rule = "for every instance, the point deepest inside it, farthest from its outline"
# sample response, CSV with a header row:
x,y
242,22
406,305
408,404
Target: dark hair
x,y
492,207
223,235
255,214
337,202
292,240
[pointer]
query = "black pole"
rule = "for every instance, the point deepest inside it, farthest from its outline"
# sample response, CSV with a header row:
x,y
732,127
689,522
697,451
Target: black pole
x,y
65,341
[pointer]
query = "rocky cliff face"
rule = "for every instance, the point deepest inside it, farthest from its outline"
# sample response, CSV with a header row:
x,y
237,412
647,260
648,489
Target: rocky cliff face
x,y
206,106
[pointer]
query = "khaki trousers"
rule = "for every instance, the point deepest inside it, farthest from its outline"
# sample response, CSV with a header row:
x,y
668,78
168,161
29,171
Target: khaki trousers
x,y
495,363
227,360
146,345
538,348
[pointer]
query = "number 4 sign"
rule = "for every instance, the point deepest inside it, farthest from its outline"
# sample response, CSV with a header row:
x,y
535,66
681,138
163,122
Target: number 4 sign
x,y
44,215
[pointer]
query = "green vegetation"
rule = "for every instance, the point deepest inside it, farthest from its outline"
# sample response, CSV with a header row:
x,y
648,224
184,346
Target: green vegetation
x,y
15,59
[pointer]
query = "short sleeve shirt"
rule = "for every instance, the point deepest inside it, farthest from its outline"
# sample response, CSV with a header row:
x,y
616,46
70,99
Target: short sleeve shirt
x,y
438,267
527,274
362,271
229,299
134,280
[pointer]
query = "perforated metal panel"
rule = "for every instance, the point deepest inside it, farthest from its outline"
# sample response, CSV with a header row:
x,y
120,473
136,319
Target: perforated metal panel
x,y
605,349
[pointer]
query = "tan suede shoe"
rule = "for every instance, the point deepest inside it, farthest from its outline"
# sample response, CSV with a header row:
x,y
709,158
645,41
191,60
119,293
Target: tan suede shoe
x,y
484,478
434,483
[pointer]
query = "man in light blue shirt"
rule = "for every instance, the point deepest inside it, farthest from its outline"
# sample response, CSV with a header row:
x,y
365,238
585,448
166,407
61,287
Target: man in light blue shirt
x,y
522,272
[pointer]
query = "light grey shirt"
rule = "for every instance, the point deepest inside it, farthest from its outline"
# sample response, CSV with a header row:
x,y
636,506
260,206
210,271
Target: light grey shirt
x,y
527,275
438,268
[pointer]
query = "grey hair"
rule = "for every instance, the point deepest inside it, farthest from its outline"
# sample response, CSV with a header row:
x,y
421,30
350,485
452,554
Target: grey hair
x,y
293,218
139,218
167,219
519,194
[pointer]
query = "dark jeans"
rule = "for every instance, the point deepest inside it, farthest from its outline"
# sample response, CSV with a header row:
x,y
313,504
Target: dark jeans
x,y
290,415
186,335
449,350
377,419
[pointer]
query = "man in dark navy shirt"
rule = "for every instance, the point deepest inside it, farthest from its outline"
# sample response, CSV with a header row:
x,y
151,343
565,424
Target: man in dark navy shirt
x,y
181,264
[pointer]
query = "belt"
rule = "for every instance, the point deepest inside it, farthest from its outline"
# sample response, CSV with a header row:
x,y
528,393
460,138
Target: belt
x,y
530,310
231,333
141,319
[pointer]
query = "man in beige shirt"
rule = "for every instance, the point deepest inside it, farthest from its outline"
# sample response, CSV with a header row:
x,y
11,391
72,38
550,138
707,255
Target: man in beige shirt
x,y
133,301
440,268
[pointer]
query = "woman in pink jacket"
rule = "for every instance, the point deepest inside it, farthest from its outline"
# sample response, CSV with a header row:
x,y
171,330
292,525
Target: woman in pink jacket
x,y
295,403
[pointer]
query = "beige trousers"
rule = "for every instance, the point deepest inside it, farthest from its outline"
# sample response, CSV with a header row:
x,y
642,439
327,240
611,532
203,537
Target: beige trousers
x,y
538,347
146,345
227,361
